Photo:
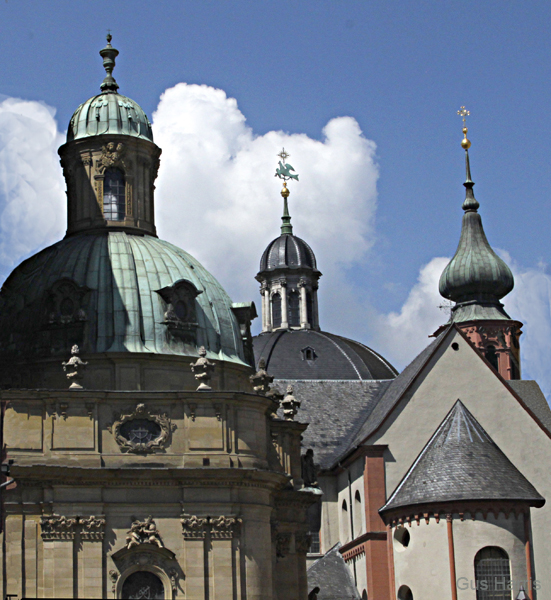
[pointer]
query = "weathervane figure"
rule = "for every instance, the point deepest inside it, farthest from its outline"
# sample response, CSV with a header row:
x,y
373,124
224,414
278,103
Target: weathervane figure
x,y
284,170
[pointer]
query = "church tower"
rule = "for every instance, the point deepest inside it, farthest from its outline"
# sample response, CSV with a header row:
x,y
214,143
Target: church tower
x,y
288,279
476,279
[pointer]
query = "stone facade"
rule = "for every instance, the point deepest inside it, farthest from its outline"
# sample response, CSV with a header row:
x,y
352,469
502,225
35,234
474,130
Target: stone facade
x,y
218,480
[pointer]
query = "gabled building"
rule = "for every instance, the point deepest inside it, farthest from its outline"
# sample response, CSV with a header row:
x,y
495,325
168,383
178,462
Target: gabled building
x,y
434,481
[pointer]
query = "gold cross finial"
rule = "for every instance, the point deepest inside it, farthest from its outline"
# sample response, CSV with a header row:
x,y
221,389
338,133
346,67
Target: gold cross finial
x,y
283,155
464,113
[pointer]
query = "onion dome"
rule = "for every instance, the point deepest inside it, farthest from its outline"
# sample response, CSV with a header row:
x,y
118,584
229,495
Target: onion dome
x,y
475,278
109,112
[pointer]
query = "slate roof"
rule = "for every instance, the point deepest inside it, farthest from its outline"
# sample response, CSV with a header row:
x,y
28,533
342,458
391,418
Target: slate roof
x,y
533,397
288,251
333,577
462,462
334,410
336,357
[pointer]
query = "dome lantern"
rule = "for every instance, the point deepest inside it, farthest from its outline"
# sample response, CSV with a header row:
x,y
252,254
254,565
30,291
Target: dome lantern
x,y
288,273
110,161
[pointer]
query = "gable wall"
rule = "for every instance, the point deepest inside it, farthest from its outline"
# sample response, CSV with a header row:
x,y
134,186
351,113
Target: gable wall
x,y
462,374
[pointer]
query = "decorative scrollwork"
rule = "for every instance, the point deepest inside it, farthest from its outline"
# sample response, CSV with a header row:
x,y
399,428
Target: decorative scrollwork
x,y
141,431
222,527
59,527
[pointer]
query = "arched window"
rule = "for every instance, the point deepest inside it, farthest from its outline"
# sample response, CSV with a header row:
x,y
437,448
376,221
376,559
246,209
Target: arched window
x,y
491,357
358,525
276,310
294,310
114,201
404,593
492,574
143,584
345,522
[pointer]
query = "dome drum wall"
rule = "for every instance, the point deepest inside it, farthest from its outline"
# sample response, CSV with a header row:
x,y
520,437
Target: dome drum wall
x,y
121,371
88,164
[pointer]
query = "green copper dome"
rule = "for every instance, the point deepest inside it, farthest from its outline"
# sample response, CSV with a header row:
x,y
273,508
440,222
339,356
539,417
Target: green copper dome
x,y
109,112
475,278
117,287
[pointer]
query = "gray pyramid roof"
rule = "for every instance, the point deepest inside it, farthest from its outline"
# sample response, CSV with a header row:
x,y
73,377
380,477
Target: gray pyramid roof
x,y
333,577
462,462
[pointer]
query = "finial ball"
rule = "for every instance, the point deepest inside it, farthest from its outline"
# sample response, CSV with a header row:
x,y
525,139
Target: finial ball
x,y
465,143
285,191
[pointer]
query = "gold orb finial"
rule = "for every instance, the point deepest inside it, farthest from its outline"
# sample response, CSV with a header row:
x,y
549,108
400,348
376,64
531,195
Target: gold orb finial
x,y
285,191
464,113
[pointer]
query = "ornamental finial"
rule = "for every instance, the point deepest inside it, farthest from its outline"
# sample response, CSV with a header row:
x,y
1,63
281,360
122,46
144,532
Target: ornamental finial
x,y
109,54
463,112
284,172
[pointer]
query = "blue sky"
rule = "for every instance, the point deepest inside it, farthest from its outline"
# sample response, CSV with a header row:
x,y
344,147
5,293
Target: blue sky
x,y
400,69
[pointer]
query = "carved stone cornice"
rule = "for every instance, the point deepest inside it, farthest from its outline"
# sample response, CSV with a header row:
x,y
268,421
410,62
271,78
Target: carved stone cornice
x,y
222,527
151,442
59,527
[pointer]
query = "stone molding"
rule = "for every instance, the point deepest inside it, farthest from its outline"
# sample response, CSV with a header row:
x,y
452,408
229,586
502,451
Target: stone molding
x,y
408,516
142,412
222,527
59,527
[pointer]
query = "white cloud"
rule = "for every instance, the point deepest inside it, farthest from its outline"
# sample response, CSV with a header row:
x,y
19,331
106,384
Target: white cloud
x,y
402,335
32,190
217,196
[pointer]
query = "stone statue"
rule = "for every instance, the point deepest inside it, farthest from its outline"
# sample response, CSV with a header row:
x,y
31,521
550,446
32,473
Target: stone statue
x,y
309,474
313,595
202,369
74,367
261,380
290,405
143,532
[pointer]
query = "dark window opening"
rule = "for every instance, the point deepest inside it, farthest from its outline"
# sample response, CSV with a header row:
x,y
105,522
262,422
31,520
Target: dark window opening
x,y
294,310
309,354
492,574
492,357
514,370
309,308
276,310
114,200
